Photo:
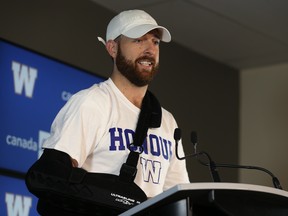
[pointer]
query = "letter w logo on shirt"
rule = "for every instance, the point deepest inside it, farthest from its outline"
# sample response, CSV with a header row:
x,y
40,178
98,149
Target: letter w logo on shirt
x,y
24,77
151,170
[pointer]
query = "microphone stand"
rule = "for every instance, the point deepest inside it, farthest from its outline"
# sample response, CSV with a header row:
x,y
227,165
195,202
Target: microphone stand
x,y
213,166
275,180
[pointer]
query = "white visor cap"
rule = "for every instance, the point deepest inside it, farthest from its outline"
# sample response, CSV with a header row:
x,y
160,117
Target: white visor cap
x,y
134,24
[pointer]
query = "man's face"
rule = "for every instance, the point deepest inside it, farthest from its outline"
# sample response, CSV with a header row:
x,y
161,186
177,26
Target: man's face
x,y
138,59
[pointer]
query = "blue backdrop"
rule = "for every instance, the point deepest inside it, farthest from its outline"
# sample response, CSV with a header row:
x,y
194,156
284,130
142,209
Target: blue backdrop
x,y
33,88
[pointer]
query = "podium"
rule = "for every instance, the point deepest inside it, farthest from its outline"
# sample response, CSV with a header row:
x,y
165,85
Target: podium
x,y
217,199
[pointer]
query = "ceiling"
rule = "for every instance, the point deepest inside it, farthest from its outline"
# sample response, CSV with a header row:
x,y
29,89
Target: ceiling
x,y
240,33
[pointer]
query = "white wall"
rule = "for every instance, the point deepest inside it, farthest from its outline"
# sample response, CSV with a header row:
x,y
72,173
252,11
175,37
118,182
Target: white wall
x,y
264,123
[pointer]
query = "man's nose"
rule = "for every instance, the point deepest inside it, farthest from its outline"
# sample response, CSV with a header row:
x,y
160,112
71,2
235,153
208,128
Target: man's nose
x,y
150,48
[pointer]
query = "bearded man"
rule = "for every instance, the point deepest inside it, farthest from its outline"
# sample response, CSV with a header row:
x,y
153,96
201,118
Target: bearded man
x,y
96,126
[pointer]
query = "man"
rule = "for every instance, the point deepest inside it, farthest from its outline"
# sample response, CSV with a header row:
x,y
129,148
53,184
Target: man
x,y
96,125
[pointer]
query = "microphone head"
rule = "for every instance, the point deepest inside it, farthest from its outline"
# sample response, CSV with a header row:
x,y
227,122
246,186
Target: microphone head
x,y
177,134
194,138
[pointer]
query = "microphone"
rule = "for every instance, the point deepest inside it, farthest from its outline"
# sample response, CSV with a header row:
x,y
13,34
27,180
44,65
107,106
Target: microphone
x,y
177,138
194,140
213,166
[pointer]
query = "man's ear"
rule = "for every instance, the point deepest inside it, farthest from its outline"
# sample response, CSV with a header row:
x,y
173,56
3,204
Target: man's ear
x,y
112,48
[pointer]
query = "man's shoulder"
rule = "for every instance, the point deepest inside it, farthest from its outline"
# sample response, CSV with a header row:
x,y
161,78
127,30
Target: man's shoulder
x,y
96,90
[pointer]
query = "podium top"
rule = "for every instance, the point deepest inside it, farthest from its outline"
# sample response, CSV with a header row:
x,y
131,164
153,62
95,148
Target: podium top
x,y
225,192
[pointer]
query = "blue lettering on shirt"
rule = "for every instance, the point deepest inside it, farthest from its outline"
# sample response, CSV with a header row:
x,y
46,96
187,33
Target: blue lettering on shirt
x,y
153,144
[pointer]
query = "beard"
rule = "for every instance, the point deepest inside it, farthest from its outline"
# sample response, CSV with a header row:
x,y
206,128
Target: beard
x,y
129,69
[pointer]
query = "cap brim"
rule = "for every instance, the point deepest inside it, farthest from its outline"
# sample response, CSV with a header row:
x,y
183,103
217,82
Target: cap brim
x,y
140,30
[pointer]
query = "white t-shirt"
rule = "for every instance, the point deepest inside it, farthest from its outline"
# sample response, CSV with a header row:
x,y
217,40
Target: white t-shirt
x,y
96,125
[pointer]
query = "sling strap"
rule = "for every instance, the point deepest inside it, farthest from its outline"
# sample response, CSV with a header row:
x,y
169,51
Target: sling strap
x,y
150,117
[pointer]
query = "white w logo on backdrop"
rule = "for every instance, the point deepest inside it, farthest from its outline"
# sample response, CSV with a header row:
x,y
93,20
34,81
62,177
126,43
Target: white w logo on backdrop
x,y
24,78
18,205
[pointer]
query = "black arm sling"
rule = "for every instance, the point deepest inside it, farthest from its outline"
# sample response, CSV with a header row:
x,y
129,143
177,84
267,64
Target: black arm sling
x,y
65,190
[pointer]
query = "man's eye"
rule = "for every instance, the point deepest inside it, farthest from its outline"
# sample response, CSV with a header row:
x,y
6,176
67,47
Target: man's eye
x,y
157,42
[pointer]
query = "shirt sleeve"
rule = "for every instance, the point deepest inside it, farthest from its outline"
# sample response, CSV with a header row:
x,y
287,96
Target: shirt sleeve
x,y
74,129
177,172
